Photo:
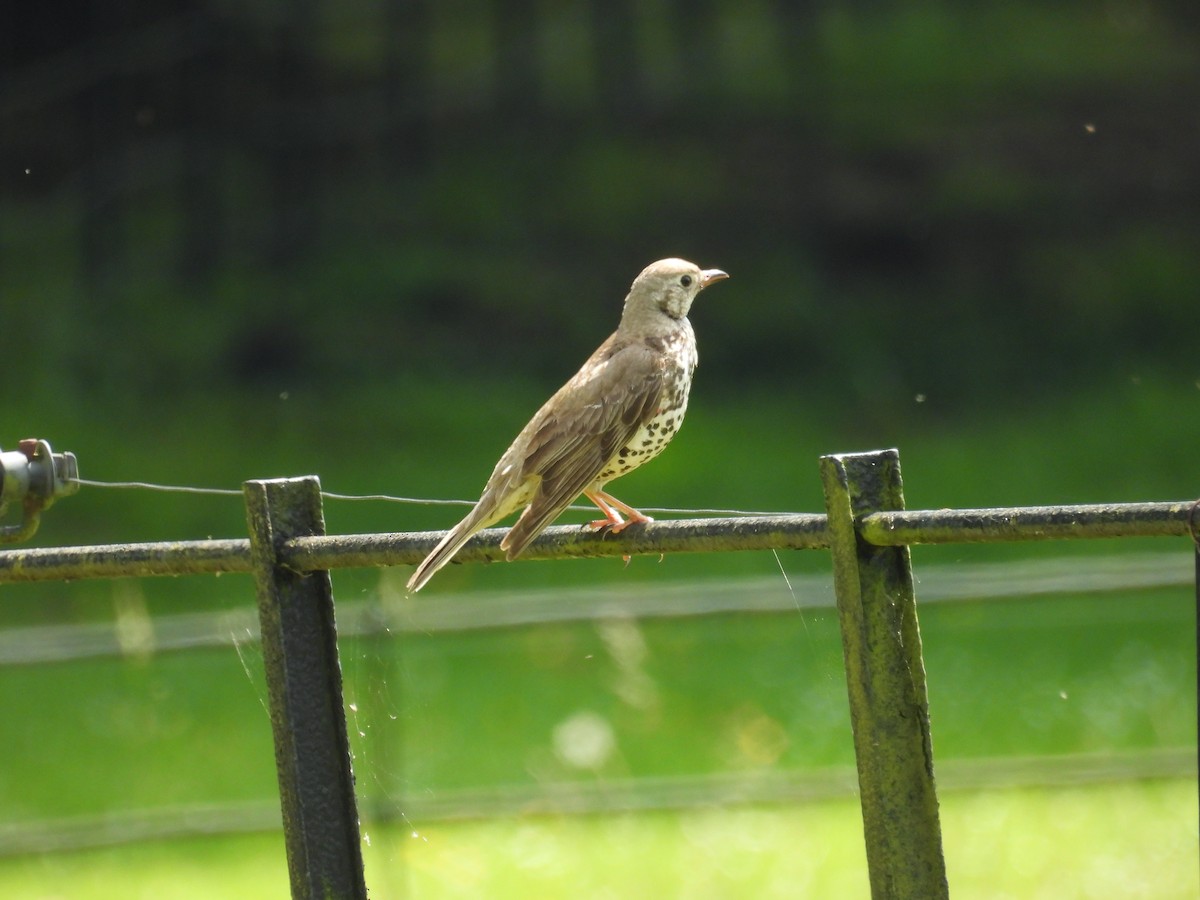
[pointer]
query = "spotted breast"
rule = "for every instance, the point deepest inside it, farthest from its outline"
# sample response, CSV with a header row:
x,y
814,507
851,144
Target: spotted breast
x,y
680,357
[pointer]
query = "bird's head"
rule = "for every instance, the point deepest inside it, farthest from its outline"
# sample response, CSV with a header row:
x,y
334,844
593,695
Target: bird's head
x,y
668,287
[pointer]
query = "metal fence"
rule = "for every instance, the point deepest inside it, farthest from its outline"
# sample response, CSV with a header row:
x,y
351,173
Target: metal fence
x,y
865,527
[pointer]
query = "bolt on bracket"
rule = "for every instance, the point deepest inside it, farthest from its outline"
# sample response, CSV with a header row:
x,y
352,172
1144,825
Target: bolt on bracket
x,y
36,476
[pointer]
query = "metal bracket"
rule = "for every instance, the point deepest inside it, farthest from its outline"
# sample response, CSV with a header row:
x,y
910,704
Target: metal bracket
x,y
36,476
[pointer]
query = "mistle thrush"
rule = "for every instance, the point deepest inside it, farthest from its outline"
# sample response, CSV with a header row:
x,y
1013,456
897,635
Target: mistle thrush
x,y
620,410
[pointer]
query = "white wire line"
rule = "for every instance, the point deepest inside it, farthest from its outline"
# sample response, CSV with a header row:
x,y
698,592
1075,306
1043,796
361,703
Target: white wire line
x,y
147,486
389,498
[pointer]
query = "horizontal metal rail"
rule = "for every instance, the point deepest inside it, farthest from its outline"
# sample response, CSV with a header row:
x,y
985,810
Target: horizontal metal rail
x,y
319,552
210,557
1028,523
794,531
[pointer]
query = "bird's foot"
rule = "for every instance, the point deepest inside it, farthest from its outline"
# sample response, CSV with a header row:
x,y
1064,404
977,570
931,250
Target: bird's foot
x,y
621,524
606,525
612,523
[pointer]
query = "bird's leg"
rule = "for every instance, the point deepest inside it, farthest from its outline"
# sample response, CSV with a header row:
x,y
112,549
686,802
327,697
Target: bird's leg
x,y
609,505
612,519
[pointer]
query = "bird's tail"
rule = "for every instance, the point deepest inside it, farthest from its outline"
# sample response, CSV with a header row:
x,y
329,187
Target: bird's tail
x,y
483,515
532,522
441,554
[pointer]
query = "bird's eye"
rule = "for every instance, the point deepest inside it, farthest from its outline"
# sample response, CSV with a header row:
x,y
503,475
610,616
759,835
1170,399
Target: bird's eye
x,y
686,280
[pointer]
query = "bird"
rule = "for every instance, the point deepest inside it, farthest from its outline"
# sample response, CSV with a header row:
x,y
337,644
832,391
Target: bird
x,y
617,412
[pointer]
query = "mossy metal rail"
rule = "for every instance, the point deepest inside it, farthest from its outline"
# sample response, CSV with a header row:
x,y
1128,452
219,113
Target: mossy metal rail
x,y
787,531
865,527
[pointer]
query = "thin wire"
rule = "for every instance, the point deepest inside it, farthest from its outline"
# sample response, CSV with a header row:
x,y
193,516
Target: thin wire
x,y
389,498
707,512
330,495
147,486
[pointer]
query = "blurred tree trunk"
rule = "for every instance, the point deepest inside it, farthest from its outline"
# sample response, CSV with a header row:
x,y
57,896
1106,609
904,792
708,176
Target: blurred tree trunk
x,y
695,27
101,110
203,87
515,73
618,75
406,90
292,154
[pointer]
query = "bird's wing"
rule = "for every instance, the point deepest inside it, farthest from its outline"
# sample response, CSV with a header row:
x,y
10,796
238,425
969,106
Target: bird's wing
x,y
570,441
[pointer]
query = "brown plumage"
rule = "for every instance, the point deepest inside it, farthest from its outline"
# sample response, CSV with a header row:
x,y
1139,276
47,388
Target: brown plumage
x,y
618,411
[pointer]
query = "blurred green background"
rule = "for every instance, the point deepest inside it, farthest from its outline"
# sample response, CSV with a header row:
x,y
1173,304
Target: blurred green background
x,y
367,239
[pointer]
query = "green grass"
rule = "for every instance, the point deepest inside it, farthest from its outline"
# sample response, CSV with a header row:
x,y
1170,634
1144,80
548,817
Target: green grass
x,y
765,693
1110,840
1123,840
226,867
749,694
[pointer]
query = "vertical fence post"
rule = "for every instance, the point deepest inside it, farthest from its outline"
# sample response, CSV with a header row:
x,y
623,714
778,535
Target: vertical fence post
x,y
1194,531
885,675
304,686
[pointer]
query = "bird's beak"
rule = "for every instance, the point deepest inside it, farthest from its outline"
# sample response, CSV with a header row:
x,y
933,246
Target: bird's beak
x,y
708,276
